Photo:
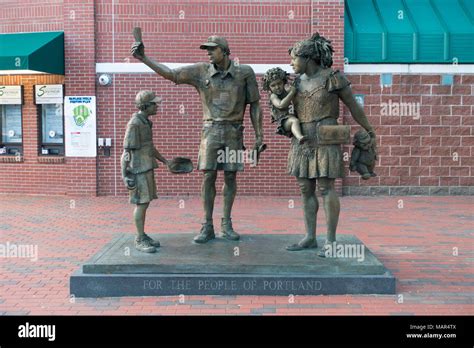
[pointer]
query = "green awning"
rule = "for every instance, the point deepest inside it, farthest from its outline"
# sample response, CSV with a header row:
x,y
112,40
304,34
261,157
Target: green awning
x,y
409,31
32,53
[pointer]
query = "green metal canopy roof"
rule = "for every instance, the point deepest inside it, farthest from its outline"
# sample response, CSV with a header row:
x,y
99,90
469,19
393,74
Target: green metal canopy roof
x,y
409,31
32,53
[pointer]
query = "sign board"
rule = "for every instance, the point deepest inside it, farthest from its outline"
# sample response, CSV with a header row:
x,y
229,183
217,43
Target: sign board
x,y
49,94
80,124
11,95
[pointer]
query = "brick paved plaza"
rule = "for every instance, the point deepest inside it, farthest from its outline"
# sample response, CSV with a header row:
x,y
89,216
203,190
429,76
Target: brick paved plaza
x,y
426,242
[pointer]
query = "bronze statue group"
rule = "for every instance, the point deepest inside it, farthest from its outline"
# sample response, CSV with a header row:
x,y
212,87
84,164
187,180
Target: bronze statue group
x,y
305,110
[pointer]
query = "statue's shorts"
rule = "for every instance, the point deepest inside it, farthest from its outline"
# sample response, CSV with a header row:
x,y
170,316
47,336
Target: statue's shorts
x,y
145,189
222,147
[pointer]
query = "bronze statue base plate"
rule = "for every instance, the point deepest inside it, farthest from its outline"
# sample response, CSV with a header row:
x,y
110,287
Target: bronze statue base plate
x,y
255,265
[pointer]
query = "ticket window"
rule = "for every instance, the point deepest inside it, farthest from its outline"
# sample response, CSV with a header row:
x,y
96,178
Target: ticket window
x,y
12,130
52,129
49,100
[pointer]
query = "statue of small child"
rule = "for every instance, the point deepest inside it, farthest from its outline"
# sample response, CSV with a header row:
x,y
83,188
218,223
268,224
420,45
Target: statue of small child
x,y
274,81
363,155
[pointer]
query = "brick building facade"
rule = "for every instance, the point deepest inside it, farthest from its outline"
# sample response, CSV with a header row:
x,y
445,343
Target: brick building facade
x,y
429,154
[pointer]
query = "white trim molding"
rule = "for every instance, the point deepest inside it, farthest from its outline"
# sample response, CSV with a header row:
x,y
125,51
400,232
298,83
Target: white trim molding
x,y
21,72
373,69
434,69
140,68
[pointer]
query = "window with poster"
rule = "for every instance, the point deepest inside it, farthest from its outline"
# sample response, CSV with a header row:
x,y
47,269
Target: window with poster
x,y
11,100
50,102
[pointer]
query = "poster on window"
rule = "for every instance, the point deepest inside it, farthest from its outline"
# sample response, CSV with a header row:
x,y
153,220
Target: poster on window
x,y
80,126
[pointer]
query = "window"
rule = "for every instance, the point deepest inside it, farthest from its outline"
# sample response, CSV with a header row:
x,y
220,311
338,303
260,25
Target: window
x,y
12,130
49,101
52,129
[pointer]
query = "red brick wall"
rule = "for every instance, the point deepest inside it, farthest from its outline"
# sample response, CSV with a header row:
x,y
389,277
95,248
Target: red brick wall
x,y
79,47
30,16
30,176
75,176
429,154
416,156
257,32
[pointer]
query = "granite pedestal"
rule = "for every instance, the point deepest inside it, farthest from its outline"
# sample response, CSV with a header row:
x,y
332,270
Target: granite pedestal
x,y
255,265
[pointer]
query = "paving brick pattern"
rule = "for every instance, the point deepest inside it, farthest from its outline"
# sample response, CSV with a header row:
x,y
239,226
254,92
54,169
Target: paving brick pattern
x,y
415,237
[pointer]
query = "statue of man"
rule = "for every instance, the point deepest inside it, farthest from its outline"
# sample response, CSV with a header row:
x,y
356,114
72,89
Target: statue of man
x,y
138,162
225,88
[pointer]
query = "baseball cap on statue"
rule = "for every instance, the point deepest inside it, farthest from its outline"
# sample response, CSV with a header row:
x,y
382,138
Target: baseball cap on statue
x,y
215,41
144,97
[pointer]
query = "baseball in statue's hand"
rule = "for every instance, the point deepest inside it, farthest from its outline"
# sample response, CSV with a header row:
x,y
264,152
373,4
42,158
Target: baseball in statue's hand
x,y
138,50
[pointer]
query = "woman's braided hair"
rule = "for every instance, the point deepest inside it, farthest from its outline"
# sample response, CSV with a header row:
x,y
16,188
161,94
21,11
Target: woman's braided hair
x,y
317,48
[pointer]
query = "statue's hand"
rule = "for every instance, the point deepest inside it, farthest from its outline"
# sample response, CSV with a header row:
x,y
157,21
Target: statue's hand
x,y
259,145
138,50
258,148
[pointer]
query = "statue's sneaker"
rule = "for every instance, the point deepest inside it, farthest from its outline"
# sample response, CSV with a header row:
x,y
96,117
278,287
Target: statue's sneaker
x,y
228,231
206,234
152,241
144,245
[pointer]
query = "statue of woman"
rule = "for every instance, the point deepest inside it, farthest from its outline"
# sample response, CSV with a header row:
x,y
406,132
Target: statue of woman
x,y
316,104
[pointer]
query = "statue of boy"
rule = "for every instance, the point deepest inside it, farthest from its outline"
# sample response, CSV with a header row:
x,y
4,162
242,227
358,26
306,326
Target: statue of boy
x,y
138,162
